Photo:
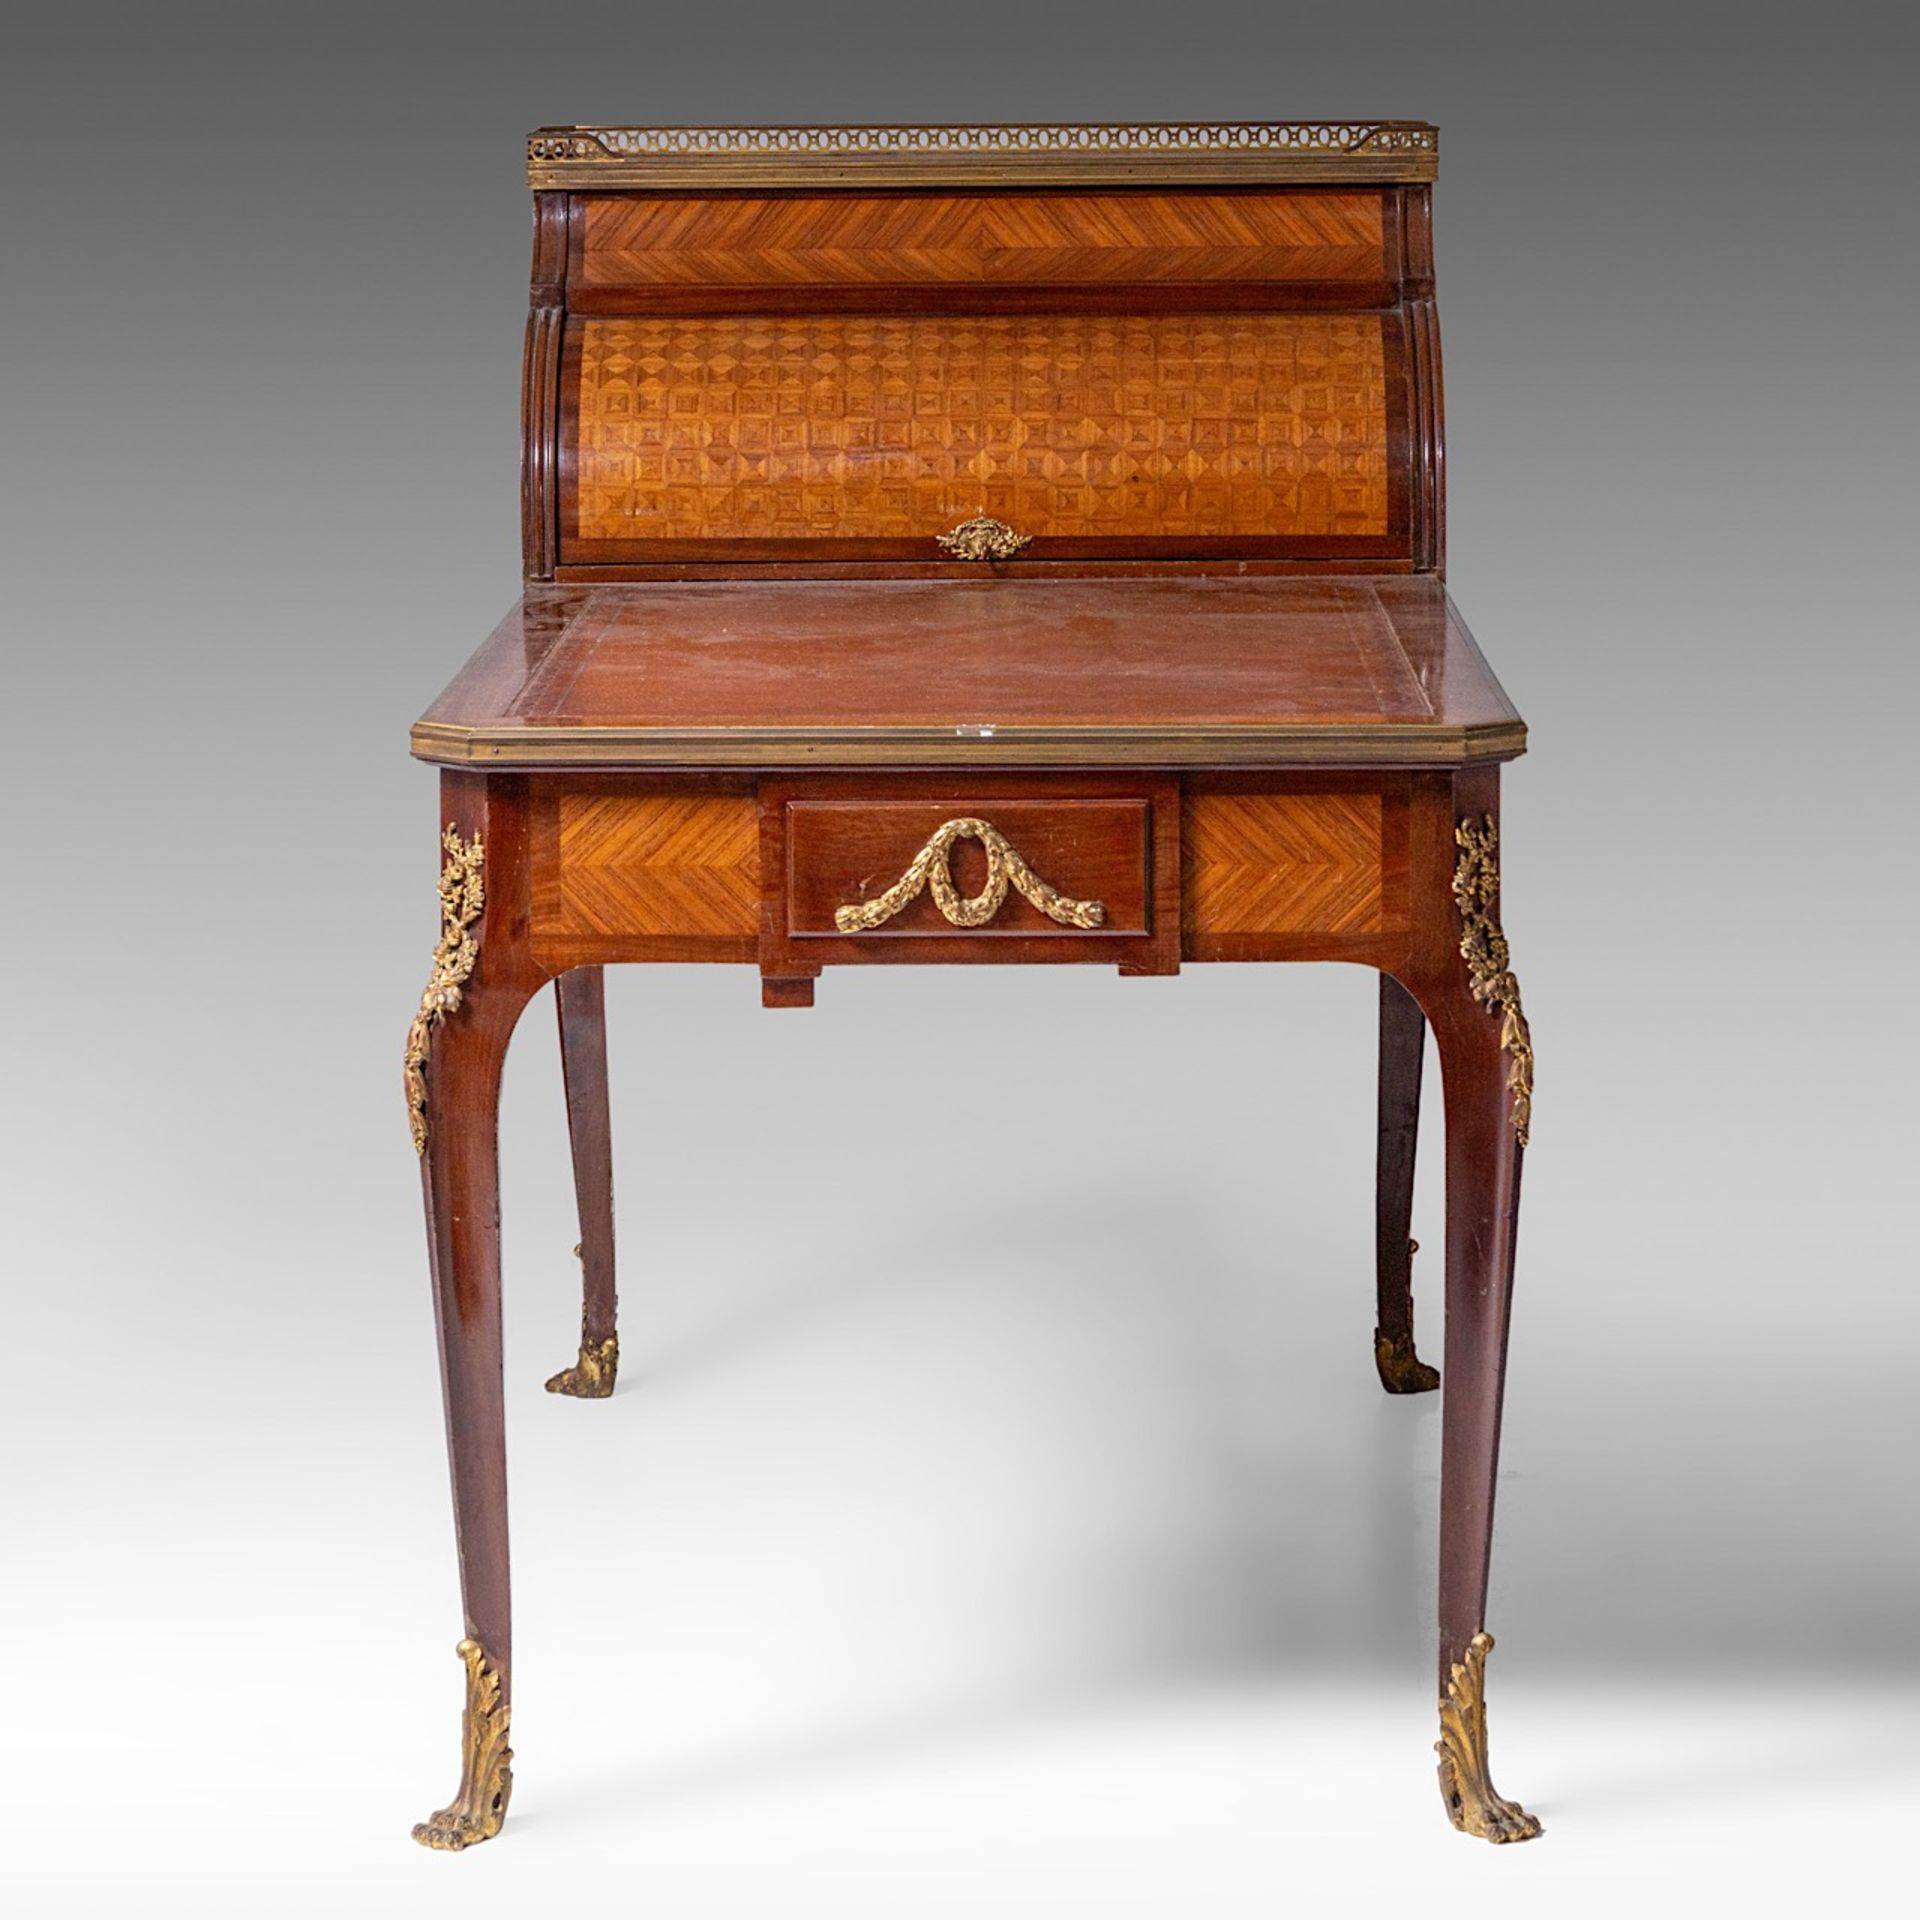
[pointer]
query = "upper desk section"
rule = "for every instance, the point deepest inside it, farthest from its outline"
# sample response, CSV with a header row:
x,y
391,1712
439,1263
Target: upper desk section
x,y
780,349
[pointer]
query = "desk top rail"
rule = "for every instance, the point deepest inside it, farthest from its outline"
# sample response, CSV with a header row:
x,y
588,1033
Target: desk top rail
x,y
606,158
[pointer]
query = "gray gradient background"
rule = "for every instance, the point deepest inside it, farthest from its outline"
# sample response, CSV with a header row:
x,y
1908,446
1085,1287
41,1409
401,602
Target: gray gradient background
x,y
996,1513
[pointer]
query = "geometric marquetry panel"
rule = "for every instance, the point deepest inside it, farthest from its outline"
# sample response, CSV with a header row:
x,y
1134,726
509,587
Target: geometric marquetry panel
x,y
982,239
1282,863
860,425
640,864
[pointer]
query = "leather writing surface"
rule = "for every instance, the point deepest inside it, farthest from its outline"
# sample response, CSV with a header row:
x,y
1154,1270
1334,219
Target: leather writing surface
x,y
965,653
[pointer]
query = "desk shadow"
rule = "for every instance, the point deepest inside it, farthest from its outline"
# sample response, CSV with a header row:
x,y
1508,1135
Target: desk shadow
x,y
1636,1776
1283,1543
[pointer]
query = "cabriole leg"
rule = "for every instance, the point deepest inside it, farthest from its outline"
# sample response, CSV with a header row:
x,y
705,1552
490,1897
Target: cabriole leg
x,y
456,1048
1483,1196
582,1002
1486,1063
1403,1040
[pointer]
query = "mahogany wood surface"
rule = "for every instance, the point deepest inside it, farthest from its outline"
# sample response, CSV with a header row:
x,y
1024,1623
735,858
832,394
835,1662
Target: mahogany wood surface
x,y
842,852
829,841
1188,670
1222,690
540,389
460,1162
1403,1041
1483,1157
580,999
460,1173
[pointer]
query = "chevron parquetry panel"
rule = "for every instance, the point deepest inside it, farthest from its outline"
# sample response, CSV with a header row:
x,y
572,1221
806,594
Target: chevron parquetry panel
x,y
1039,239
640,864
1282,862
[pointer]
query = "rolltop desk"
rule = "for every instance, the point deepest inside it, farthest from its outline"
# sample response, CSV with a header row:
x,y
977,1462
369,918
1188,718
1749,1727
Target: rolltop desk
x,y
976,545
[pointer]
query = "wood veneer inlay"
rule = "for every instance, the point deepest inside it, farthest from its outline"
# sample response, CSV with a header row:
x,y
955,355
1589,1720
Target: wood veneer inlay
x,y
658,864
865,426
1282,862
981,239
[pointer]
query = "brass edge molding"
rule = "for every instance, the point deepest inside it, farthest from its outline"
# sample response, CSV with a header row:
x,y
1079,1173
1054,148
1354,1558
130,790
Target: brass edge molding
x,y
448,743
1473,1804
462,896
486,1773
929,868
982,538
612,158
1476,888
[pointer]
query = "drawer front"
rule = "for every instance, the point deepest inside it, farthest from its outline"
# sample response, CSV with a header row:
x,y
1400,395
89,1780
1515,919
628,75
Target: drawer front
x,y
985,870
916,869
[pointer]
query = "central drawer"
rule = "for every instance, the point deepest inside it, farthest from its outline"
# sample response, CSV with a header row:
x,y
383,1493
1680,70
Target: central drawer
x,y
989,868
